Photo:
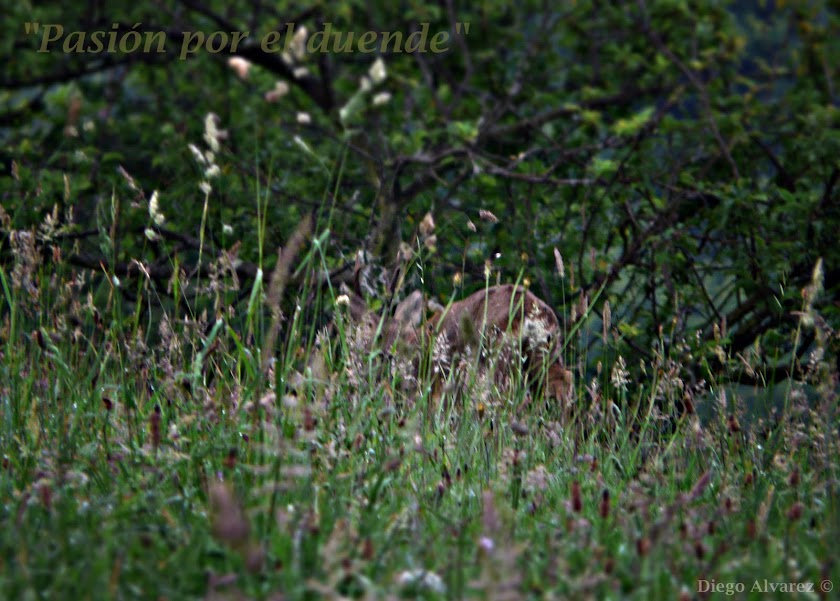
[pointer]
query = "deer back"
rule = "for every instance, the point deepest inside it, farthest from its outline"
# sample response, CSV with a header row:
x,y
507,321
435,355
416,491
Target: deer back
x,y
484,320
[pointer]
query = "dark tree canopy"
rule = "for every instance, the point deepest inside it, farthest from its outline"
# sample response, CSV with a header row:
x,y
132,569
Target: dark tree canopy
x,y
682,157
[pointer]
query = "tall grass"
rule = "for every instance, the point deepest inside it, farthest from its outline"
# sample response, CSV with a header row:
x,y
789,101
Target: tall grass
x,y
177,453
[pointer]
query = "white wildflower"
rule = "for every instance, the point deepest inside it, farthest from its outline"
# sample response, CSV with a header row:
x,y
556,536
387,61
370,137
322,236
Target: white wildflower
x,y
205,187
154,209
281,88
304,146
299,43
422,579
304,118
197,154
300,72
558,261
817,276
377,71
381,98
212,134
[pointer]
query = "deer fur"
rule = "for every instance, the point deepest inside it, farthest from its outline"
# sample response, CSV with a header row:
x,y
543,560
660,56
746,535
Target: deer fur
x,y
472,329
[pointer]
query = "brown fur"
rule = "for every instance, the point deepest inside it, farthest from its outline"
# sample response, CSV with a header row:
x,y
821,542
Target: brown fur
x,y
486,315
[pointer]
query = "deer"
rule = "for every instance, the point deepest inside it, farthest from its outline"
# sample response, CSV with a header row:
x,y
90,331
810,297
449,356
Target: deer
x,y
488,329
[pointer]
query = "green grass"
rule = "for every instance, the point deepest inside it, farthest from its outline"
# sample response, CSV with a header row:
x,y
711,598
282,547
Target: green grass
x,y
169,444
150,461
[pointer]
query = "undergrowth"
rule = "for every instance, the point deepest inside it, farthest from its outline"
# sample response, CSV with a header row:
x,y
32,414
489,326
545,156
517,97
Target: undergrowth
x,y
154,447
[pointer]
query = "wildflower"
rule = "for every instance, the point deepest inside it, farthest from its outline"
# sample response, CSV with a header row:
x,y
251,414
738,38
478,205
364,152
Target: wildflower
x,y
722,399
240,66
342,300
304,118
817,276
620,376
364,84
519,428
212,171
344,113
606,319
197,154
537,478
227,229
280,89
381,98
488,216
422,579
377,71
303,145
205,187
300,72
427,226
405,253
154,210
212,134
558,260
299,43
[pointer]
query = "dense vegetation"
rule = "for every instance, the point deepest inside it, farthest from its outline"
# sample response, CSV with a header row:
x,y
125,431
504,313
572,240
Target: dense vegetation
x,y
187,412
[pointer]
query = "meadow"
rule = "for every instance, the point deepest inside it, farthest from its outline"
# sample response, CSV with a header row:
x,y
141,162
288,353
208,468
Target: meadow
x,y
152,453
205,243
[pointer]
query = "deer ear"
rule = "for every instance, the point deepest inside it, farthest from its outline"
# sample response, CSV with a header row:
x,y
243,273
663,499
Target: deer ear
x,y
410,311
